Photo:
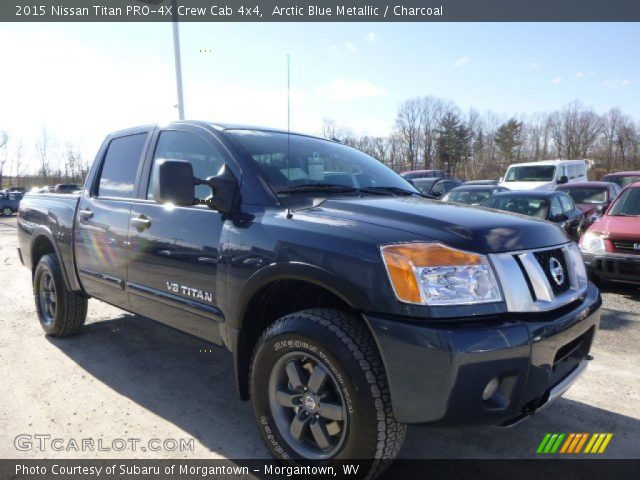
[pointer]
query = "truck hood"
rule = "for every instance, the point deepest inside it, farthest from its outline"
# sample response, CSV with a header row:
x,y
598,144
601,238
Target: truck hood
x,y
528,185
474,229
618,227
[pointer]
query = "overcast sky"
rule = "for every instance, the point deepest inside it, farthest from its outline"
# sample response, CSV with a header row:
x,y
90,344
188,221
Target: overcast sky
x,y
81,81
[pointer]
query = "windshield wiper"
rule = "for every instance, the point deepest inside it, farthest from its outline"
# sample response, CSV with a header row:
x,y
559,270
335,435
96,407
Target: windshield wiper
x,y
390,191
331,187
316,187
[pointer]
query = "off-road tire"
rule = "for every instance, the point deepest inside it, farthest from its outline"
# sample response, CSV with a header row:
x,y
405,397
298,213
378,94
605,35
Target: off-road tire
x,y
70,310
348,352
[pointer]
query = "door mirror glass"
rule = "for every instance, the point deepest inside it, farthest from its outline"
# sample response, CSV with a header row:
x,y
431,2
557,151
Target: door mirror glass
x,y
173,182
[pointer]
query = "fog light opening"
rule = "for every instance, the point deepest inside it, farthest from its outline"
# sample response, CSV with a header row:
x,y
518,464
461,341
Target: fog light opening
x,y
491,389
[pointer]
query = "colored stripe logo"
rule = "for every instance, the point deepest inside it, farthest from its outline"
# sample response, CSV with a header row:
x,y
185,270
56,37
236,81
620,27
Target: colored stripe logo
x,y
574,443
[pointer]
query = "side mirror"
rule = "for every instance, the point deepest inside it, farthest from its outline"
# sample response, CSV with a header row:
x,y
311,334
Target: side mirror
x,y
563,179
224,190
561,217
437,194
173,182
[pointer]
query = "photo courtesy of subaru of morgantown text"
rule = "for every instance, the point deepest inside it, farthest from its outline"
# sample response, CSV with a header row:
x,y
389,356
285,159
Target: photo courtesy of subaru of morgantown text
x,y
257,241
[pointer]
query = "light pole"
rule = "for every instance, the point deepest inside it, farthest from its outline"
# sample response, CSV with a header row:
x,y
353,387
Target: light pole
x,y
178,63
176,52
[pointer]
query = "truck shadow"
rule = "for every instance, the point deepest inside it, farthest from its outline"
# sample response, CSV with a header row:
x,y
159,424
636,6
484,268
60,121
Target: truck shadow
x,y
191,384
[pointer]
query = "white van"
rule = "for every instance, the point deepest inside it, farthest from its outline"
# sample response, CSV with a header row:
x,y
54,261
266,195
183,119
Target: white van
x,y
544,175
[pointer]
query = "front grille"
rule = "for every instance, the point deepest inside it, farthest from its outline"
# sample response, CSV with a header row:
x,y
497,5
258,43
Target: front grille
x,y
544,258
627,247
629,268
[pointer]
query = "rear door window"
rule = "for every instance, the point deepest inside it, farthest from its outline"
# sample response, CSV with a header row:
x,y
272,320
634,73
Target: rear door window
x,y
120,166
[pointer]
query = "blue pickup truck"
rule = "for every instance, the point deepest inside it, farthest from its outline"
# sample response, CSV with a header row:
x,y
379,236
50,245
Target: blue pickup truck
x,y
352,304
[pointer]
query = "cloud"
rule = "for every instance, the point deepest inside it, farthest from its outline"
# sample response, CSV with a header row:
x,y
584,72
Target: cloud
x,y
370,37
533,66
462,61
343,90
585,74
616,84
351,47
557,80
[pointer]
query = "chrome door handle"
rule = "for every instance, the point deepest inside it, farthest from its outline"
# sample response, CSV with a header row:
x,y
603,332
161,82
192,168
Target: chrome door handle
x,y
85,214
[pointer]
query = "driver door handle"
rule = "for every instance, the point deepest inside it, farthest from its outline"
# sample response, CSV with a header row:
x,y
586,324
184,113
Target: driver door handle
x,y
85,214
141,223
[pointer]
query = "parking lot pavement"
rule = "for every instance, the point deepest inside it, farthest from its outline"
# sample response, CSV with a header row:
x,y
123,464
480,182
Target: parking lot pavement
x,y
126,377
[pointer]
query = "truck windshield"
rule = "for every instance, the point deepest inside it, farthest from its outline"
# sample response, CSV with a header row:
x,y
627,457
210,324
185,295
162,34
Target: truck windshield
x,y
296,163
627,204
533,173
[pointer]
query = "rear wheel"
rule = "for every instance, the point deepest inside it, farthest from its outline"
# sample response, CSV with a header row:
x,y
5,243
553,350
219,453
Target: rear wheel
x,y
7,211
320,393
61,311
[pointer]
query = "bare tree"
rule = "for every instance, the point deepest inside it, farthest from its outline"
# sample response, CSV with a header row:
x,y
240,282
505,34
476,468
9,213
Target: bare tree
x,y
42,147
17,163
4,156
408,128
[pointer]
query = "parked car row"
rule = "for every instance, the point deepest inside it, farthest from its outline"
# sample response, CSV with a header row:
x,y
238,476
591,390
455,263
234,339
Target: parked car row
x,y
603,216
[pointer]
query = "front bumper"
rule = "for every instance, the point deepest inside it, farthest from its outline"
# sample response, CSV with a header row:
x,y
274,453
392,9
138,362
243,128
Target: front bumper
x,y
438,373
613,266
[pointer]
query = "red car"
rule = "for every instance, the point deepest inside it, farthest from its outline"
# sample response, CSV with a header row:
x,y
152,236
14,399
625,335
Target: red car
x,y
623,178
611,247
593,198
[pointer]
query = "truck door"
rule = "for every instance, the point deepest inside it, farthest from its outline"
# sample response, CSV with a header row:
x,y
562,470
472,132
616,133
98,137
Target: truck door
x,y
102,220
175,256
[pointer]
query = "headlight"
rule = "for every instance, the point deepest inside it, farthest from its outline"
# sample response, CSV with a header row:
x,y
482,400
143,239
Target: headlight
x,y
434,274
592,242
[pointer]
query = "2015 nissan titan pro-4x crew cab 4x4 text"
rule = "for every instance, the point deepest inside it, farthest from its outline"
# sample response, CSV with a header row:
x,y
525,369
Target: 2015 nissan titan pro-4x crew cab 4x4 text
x,y
352,305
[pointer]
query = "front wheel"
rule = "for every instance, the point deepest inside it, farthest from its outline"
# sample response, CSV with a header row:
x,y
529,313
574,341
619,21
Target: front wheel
x,y
7,211
320,393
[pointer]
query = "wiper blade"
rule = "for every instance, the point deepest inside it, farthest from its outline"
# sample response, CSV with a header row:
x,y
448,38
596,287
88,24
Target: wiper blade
x,y
389,190
316,187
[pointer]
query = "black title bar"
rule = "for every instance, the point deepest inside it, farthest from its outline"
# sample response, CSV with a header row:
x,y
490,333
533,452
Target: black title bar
x,y
320,11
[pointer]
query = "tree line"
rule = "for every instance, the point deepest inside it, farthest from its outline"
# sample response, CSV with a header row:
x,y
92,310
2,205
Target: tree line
x,y
429,133
434,133
49,162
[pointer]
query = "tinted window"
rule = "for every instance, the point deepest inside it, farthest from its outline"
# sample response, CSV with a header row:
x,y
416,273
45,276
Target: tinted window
x,y
556,207
118,175
567,204
292,160
438,188
588,195
468,197
628,203
622,180
533,207
205,159
533,173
